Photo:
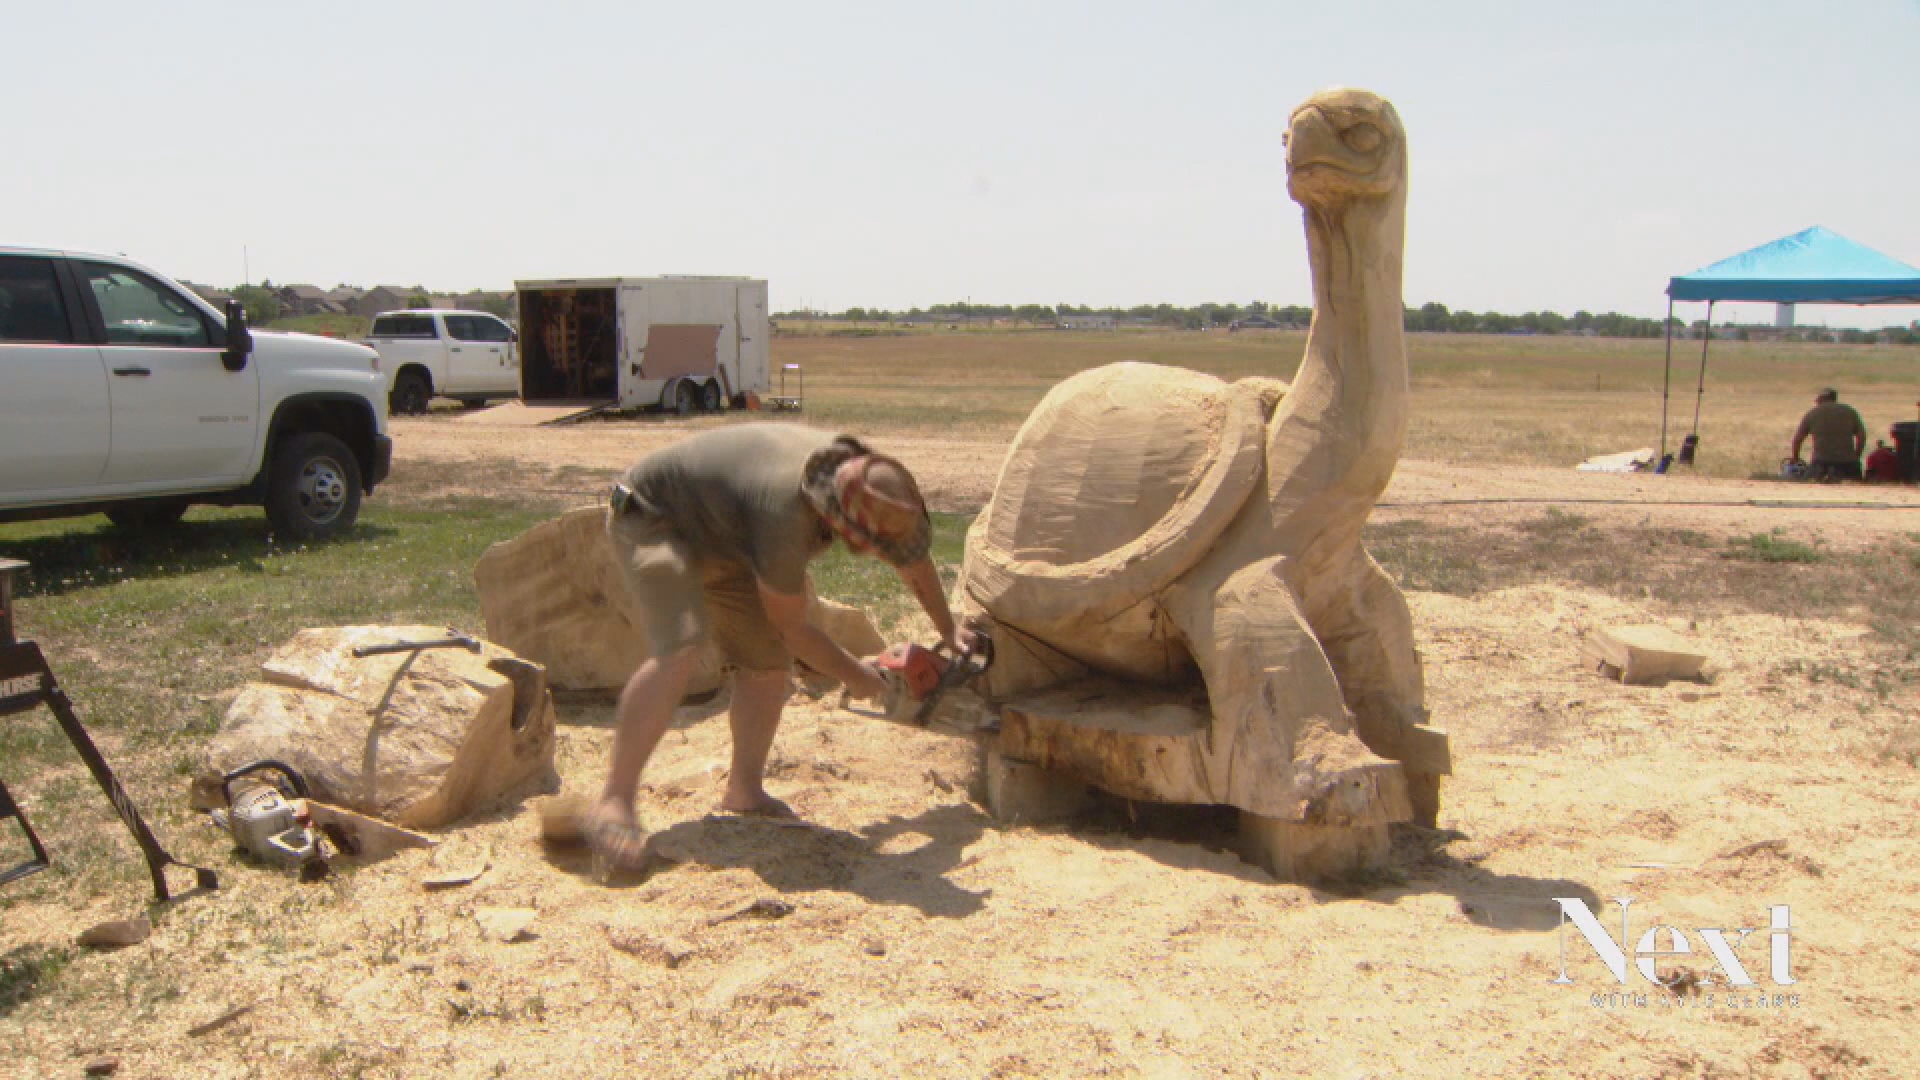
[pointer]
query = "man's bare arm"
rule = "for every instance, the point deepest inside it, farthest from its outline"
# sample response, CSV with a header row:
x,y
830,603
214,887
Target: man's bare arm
x,y
924,581
788,613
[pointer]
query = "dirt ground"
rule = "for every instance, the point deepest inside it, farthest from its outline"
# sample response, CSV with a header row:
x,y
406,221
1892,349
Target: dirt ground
x,y
925,939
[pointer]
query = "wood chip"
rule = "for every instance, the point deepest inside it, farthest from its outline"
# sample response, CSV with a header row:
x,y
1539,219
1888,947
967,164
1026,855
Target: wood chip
x,y
666,951
103,1066
117,934
457,865
505,925
1755,848
767,907
220,1021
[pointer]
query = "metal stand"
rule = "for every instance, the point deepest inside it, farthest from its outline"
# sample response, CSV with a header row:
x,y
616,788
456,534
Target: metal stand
x,y
781,402
26,682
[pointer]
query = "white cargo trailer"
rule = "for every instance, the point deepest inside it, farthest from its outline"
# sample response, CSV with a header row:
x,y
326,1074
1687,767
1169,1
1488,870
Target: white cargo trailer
x,y
687,344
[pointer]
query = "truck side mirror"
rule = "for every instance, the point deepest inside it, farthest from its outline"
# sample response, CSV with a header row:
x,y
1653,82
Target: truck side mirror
x,y
239,338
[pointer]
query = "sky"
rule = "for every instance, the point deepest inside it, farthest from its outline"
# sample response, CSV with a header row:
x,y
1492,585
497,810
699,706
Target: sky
x,y
1561,157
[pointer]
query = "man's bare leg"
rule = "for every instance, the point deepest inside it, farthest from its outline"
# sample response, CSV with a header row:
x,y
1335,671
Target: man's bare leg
x,y
644,712
758,698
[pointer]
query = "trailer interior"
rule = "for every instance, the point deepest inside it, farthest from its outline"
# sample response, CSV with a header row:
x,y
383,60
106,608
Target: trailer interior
x,y
569,345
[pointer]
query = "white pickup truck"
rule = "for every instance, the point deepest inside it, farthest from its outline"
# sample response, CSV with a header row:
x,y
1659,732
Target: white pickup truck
x,y
466,355
123,392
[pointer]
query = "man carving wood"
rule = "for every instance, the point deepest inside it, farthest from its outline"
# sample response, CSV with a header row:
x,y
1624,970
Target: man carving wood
x,y
713,535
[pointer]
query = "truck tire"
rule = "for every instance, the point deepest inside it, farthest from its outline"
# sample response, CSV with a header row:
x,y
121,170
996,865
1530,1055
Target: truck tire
x,y
411,392
711,399
136,517
314,490
686,398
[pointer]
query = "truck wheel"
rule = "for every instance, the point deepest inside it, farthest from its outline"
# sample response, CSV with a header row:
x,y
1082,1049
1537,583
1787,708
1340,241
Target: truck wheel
x,y
411,392
710,399
686,398
314,492
140,516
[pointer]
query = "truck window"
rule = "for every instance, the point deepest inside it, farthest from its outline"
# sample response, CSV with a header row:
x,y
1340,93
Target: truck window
x,y
404,326
30,307
140,311
478,328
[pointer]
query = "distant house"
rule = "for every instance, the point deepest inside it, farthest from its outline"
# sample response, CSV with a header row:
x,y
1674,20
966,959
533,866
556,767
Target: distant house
x,y
306,300
387,298
347,297
217,297
480,299
1086,322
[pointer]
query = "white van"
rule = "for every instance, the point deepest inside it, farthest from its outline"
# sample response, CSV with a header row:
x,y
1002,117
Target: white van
x,y
471,356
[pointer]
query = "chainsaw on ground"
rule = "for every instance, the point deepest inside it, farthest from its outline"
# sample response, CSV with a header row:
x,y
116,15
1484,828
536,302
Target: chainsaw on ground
x,y
265,821
918,677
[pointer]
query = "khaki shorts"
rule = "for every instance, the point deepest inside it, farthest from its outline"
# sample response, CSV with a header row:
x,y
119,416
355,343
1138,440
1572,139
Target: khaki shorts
x,y
685,600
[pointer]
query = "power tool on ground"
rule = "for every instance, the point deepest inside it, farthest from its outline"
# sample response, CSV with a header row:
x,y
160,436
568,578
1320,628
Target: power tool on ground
x,y
264,821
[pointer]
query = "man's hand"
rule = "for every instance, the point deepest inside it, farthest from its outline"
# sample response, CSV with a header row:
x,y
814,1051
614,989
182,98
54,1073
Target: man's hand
x,y
869,684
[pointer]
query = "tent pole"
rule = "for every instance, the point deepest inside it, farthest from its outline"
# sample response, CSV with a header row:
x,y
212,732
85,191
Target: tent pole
x,y
1702,392
1666,383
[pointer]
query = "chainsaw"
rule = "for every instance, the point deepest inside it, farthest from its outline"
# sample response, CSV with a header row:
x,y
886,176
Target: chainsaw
x,y
266,824
919,676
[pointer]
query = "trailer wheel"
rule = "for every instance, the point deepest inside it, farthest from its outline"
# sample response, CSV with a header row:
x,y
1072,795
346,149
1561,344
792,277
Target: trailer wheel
x,y
711,399
686,398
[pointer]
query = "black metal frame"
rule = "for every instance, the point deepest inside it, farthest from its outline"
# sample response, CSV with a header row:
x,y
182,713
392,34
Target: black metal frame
x,y
21,662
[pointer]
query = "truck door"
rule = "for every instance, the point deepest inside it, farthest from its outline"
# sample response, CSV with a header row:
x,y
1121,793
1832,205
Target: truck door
x,y
479,358
179,416
54,411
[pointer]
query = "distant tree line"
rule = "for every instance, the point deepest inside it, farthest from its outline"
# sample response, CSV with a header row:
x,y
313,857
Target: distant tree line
x,y
1427,318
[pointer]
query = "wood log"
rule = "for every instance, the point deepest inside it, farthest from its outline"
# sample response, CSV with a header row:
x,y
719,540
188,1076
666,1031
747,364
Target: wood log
x,y
1645,654
555,595
416,738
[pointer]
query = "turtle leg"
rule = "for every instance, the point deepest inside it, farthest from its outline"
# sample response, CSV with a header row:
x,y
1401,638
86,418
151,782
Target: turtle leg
x,y
1314,801
1367,633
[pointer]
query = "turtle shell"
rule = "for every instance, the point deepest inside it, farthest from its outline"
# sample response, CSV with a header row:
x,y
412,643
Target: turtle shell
x,y
1119,481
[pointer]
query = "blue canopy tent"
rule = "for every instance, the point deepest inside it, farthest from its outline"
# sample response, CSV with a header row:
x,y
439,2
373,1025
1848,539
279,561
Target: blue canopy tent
x,y
1816,266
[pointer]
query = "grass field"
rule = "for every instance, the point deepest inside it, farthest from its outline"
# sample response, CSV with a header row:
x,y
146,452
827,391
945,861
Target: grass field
x,y
1476,398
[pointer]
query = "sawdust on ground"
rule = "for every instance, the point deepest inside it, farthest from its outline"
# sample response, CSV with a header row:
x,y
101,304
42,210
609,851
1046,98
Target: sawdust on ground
x,y
924,939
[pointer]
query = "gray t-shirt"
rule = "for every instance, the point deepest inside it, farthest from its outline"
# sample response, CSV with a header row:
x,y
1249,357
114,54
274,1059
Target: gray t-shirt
x,y
733,493
1833,427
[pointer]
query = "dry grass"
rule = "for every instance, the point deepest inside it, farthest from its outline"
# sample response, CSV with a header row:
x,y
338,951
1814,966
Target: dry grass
x,y
1476,398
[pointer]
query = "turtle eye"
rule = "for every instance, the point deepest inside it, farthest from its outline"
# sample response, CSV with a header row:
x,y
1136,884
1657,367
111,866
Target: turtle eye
x,y
1363,137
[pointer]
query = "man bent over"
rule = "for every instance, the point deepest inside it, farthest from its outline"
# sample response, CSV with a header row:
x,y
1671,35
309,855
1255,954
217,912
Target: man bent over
x,y
713,535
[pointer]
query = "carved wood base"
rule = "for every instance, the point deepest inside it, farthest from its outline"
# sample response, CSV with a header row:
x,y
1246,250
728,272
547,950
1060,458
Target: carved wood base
x,y
1020,792
1307,853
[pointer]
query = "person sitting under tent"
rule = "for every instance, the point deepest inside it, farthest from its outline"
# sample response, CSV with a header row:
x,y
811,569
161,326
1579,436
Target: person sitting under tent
x,y
1839,435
